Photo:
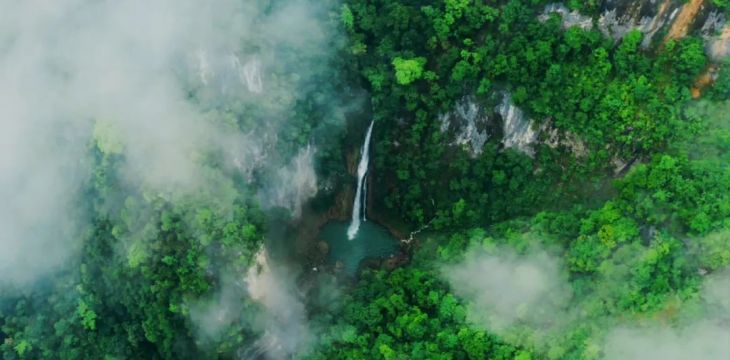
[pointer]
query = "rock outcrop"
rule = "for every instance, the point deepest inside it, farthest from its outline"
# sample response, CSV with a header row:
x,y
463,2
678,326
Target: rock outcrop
x,y
468,121
519,131
674,17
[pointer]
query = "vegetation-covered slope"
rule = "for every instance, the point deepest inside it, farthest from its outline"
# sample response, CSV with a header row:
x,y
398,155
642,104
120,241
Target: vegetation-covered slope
x,y
601,232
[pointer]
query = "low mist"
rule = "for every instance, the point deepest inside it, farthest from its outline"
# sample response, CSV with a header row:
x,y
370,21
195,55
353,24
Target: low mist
x,y
123,73
707,337
504,289
165,86
526,299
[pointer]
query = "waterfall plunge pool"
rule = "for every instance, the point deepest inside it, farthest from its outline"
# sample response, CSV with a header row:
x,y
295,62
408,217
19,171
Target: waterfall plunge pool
x,y
372,241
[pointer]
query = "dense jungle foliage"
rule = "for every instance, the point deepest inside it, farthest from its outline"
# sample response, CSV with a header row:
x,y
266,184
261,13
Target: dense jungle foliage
x,y
634,241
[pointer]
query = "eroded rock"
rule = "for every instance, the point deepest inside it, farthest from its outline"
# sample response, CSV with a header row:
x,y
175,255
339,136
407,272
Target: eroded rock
x,y
519,132
469,122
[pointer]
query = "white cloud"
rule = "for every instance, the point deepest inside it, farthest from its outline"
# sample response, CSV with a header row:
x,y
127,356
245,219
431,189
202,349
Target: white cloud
x,y
504,289
67,64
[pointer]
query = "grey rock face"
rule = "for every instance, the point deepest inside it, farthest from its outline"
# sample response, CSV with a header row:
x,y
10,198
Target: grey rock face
x,y
468,121
519,132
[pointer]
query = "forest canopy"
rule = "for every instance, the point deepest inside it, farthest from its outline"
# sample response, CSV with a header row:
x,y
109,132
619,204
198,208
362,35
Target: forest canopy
x,y
552,179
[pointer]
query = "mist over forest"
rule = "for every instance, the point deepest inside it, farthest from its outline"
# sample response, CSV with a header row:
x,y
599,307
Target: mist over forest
x,y
365,179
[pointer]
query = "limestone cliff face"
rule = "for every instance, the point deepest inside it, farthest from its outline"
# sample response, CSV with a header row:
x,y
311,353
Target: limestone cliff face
x,y
672,19
519,132
468,124
617,17
621,16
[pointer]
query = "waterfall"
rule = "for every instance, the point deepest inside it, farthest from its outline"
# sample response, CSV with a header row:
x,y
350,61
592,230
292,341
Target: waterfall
x,y
358,207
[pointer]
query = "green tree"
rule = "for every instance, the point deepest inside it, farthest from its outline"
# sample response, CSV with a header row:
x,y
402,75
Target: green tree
x,y
408,70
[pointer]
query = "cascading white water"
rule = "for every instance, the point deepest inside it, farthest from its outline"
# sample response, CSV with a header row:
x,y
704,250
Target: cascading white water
x,y
358,208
